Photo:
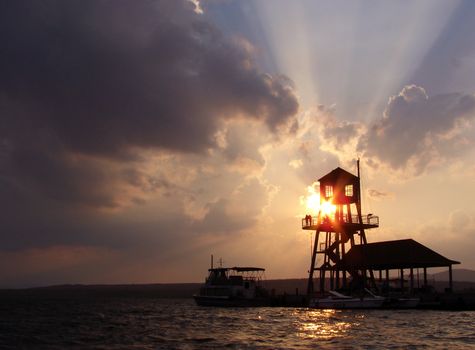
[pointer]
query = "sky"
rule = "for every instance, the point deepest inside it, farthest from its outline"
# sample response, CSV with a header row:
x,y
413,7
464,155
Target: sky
x,y
137,138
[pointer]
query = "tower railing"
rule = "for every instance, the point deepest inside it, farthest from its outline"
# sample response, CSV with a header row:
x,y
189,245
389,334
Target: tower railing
x,y
368,219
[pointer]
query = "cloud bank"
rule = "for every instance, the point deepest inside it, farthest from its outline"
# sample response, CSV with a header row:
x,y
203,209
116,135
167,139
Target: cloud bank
x,y
89,82
415,133
418,131
132,128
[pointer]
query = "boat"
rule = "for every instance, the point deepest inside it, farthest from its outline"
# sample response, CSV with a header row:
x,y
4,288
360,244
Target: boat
x,y
336,300
402,303
233,287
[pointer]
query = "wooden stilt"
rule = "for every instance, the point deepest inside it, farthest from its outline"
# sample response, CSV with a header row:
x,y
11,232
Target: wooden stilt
x,y
401,271
450,279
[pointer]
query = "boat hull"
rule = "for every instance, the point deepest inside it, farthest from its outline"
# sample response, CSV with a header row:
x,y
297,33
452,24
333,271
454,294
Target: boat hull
x,y
402,303
227,301
350,303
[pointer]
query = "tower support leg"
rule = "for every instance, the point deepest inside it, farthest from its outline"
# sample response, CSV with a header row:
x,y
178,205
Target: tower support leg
x,y
312,264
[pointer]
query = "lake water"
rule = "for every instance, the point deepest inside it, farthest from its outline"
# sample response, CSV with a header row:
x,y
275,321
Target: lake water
x,y
144,323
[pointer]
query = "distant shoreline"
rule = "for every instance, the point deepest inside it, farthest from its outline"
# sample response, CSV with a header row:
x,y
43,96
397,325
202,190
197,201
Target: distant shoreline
x,y
176,290
463,277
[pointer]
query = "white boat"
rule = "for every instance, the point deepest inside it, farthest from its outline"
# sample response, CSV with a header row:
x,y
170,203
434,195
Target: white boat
x,y
233,286
340,301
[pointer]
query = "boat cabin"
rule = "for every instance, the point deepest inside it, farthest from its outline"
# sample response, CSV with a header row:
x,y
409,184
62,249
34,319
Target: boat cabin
x,y
233,281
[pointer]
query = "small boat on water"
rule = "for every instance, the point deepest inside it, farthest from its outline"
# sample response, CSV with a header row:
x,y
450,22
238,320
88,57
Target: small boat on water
x,y
340,301
233,286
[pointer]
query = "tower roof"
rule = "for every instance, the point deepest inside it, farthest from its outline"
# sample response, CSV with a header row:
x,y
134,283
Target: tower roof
x,y
337,174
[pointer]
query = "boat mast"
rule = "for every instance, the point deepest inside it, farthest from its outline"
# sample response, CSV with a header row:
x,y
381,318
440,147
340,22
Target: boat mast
x,y
363,239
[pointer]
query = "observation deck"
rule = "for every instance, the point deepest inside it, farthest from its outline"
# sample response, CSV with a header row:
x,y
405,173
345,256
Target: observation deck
x,y
330,223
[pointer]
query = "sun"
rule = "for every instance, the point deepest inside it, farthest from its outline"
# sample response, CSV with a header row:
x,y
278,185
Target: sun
x,y
312,200
313,203
327,208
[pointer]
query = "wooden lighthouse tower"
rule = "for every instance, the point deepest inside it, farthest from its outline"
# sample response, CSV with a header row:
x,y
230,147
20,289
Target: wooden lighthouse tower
x,y
339,226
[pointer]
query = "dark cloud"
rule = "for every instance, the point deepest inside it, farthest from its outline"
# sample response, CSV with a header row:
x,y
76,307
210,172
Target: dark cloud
x,y
59,176
416,132
105,75
337,137
241,143
419,130
231,214
98,79
375,194
110,113
340,133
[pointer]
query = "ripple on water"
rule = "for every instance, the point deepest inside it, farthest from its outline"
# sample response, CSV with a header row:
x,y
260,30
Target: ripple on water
x,y
180,324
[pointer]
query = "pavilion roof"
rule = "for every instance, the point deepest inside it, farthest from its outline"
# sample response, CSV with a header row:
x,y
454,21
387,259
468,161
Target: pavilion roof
x,y
405,253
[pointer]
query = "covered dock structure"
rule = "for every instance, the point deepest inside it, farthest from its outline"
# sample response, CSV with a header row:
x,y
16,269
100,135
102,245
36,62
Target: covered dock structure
x,y
395,255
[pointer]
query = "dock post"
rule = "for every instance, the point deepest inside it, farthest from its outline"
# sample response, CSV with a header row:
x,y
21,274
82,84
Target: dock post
x,y
402,279
450,278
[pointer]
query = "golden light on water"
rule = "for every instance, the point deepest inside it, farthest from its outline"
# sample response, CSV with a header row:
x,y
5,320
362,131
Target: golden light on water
x,y
323,324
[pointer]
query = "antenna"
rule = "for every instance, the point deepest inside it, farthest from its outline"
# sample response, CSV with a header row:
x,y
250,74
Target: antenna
x,y
211,260
359,179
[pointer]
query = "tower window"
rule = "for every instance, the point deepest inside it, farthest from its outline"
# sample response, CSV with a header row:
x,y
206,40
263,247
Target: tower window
x,y
328,191
349,190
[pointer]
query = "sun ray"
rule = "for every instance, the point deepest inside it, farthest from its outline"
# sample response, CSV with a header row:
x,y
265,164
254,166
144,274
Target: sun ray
x,y
354,55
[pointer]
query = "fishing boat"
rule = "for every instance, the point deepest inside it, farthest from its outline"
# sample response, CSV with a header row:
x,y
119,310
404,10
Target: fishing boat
x,y
233,286
336,300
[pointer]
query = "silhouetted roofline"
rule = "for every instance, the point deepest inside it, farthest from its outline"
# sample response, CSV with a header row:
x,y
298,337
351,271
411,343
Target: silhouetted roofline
x,y
337,173
399,254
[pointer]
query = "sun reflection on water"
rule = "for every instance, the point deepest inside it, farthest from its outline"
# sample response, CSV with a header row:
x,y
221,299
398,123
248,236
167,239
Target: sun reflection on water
x,y
323,325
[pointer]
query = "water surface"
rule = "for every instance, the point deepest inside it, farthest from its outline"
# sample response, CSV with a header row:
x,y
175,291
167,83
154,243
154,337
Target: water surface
x,y
145,323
